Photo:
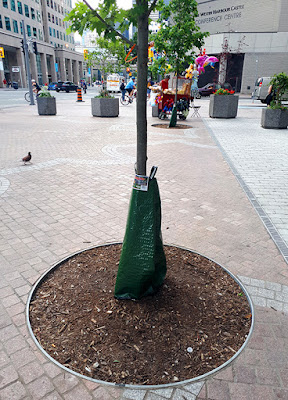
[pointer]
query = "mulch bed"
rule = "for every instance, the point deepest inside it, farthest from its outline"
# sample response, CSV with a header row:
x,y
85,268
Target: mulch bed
x,y
178,126
196,322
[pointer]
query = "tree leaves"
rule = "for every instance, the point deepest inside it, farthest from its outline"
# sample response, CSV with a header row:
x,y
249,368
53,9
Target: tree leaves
x,y
178,36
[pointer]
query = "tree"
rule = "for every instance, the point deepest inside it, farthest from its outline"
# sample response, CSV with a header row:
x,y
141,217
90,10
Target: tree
x,y
142,258
176,39
109,56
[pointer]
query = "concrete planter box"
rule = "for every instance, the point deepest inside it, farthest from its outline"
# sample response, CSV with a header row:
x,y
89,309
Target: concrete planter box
x,y
155,111
102,107
274,119
46,105
223,106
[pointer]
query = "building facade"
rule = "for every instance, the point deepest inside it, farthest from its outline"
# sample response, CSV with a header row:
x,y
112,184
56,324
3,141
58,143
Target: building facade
x,y
44,24
250,39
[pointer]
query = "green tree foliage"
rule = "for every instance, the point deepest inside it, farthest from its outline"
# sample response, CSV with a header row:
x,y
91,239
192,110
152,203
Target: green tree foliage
x,y
109,56
178,36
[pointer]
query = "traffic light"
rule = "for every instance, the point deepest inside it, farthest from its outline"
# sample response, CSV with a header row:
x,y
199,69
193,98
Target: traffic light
x,y
35,51
22,45
85,51
2,52
127,69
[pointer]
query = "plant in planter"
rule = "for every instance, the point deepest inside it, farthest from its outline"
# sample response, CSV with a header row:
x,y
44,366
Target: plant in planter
x,y
105,105
46,103
223,104
275,116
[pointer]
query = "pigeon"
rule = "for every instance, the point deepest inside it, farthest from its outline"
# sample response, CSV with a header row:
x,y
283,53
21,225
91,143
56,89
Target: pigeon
x,y
27,158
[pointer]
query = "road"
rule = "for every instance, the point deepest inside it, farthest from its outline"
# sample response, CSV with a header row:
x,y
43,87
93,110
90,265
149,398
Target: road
x,y
15,98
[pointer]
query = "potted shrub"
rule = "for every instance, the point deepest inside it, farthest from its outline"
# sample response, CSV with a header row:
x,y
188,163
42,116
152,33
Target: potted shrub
x,y
105,105
45,102
275,116
223,104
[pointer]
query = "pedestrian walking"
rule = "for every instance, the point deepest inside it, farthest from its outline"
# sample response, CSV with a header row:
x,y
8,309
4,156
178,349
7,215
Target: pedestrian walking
x,y
122,88
84,87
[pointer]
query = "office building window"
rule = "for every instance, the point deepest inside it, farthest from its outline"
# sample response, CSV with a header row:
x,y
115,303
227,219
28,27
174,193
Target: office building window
x,y
26,8
56,19
5,3
13,6
48,3
50,31
19,5
49,17
7,24
29,30
35,32
21,28
38,16
58,8
15,26
61,10
40,34
33,16
55,6
57,34
1,25
51,4
53,18
54,33
61,35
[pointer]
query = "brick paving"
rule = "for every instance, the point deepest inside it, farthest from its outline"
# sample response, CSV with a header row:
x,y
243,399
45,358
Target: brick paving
x,y
75,194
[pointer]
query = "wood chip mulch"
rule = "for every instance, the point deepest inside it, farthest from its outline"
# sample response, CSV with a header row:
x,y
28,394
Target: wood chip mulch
x,y
197,321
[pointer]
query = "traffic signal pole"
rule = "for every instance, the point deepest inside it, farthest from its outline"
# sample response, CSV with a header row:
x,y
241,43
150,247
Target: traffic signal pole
x,y
27,65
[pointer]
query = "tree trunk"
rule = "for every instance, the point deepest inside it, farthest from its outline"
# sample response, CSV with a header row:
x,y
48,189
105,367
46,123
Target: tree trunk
x,y
142,70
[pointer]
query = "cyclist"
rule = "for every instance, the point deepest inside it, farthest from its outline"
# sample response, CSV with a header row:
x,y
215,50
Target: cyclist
x,y
130,88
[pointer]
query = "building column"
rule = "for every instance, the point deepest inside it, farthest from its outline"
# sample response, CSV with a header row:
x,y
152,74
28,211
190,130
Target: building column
x,y
75,67
53,68
62,69
44,68
81,69
69,67
2,75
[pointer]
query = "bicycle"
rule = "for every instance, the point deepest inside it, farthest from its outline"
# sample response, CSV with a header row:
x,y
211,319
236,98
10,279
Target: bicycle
x,y
27,96
128,99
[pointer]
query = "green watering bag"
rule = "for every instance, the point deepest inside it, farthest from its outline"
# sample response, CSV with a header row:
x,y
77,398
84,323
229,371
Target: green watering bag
x,y
142,266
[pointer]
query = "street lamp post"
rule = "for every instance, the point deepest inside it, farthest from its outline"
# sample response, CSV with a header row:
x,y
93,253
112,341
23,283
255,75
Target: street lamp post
x,y
27,64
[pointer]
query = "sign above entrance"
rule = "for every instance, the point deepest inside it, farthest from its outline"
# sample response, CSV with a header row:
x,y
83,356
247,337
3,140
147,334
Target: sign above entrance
x,y
15,69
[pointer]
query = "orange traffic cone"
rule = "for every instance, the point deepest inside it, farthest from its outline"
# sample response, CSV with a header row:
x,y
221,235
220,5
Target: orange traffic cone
x,y
79,95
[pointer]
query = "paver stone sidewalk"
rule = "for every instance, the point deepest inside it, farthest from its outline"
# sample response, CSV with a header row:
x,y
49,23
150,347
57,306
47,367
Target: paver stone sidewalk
x,y
75,194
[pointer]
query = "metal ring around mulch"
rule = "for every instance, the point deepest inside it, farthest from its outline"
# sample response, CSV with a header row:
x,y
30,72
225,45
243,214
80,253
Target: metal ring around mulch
x,y
130,386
